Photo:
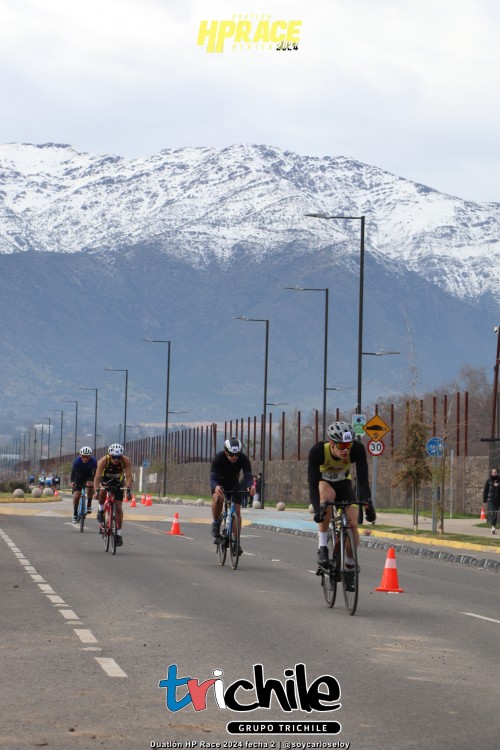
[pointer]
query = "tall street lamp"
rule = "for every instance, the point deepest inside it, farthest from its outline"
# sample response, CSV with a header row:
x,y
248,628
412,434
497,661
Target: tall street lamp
x,y
95,414
361,291
168,342
115,369
48,438
325,353
61,412
72,401
264,409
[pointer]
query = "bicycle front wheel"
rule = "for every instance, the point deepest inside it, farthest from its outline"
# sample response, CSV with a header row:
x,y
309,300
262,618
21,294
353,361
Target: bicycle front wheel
x,y
222,542
234,542
350,576
328,578
113,533
81,511
107,527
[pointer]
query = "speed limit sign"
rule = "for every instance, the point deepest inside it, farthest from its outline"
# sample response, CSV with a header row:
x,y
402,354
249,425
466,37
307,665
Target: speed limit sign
x,y
375,447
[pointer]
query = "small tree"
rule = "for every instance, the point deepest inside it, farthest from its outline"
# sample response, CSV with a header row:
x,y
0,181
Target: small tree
x,y
412,455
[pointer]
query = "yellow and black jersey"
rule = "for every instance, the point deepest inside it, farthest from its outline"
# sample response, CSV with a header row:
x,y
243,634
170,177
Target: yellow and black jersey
x,y
322,465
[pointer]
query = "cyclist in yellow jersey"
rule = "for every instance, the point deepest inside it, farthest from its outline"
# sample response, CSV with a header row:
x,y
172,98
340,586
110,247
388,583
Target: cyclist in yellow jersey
x,y
329,477
118,467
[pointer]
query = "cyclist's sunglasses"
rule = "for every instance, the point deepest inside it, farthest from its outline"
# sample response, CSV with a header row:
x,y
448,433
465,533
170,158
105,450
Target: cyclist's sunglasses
x,y
344,446
231,455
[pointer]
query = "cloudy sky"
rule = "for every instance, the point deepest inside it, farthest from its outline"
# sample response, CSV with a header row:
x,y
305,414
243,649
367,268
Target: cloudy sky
x,y
411,87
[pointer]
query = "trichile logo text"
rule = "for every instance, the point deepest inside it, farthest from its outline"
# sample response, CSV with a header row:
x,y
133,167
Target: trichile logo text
x,y
293,693
249,32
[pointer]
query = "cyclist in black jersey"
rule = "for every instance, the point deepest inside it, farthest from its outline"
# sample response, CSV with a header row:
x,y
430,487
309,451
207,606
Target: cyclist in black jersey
x,y
224,478
329,477
113,467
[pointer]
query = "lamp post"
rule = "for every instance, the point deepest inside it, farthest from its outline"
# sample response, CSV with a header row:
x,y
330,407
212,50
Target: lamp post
x,y
48,438
72,401
264,410
61,412
325,352
95,414
361,291
115,369
165,439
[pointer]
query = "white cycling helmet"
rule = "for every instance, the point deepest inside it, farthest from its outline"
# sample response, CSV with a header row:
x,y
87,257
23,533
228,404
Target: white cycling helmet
x,y
233,445
340,432
116,450
85,451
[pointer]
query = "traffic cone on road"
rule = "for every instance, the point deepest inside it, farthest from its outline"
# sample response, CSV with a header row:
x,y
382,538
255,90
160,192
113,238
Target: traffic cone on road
x,y
149,501
482,517
389,581
176,529
143,500
133,504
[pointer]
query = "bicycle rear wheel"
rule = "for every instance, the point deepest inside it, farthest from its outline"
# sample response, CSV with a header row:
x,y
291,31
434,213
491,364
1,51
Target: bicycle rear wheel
x,y
222,542
350,577
328,578
234,542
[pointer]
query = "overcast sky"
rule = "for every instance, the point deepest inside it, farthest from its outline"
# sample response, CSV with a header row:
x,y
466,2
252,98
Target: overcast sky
x,y
409,86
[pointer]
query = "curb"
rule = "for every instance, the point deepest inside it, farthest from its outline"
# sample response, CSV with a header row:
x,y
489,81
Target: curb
x,y
486,563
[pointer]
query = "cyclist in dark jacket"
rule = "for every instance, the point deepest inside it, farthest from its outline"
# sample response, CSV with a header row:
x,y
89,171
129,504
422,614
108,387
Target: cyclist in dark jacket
x,y
224,478
82,475
491,495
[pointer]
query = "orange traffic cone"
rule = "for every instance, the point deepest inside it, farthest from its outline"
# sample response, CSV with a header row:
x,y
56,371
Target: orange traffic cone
x,y
149,501
176,529
482,517
133,504
143,500
389,581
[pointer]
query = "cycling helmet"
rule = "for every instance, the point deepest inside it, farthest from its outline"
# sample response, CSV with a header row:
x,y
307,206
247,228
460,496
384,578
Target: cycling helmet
x,y
233,445
85,451
340,432
115,450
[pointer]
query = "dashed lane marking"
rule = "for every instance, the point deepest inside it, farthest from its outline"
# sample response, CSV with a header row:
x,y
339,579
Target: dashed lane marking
x,y
110,667
481,617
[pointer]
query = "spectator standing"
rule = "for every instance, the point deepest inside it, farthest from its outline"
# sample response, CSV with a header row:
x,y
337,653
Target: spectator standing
x,y
491,496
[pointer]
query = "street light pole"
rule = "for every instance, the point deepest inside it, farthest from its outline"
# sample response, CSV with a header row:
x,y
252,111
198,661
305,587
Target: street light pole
x,y
325,347
361,293
61,412
48,439
72,401
95,414
114,369
264,408
168,342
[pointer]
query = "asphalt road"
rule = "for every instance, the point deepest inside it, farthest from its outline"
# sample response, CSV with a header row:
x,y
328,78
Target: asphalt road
x,y
86,638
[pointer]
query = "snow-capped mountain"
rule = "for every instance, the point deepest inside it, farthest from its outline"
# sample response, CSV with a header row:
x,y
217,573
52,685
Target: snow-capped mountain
x,y
99,252
203,204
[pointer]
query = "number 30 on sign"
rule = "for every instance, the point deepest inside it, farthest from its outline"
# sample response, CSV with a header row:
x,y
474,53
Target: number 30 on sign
x,y
375,447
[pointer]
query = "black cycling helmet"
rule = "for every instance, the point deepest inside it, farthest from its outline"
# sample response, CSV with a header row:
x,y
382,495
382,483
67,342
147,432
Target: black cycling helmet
x,y
233,445
340,432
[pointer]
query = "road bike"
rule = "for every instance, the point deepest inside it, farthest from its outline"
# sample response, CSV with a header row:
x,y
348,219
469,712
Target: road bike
x,y
229,532
107,527
82,508
340,540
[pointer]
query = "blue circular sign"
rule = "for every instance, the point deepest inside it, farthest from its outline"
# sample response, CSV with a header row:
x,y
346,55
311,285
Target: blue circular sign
x,y
435,447
146,464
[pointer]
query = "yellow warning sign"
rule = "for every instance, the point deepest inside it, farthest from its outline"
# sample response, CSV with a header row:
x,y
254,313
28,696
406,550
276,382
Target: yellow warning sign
x,y
376,428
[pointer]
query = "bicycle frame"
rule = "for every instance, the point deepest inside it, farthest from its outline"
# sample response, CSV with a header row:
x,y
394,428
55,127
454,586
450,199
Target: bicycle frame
x,y
108,527
229,532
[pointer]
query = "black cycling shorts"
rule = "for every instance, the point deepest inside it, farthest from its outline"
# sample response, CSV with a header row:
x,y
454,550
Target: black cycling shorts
x,y
344,490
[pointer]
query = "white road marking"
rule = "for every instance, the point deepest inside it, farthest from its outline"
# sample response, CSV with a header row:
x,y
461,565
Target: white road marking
x,y
69,614
85,635
110,667
38,579
481,617
55,599
46,588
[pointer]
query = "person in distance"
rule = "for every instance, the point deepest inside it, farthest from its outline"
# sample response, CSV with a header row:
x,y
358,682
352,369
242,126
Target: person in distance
x,y
113,467
82,475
